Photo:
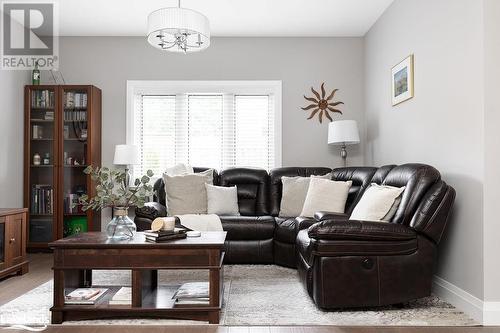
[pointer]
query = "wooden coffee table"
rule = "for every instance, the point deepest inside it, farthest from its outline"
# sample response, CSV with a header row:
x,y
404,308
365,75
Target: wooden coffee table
x,y
75,257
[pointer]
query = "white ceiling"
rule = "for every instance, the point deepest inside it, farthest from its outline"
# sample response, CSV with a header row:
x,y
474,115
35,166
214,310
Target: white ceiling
x,y
227,17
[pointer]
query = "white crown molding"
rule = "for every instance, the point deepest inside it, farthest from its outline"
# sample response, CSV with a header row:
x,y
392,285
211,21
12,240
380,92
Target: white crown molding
x,y
486,313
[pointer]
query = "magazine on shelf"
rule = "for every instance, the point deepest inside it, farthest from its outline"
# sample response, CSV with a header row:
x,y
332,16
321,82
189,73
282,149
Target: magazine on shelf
x,y
85,295
192,293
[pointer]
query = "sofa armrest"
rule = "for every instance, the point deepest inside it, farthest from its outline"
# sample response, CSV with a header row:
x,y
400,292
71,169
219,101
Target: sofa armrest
x,y
360,230
304,222
151,210
324,215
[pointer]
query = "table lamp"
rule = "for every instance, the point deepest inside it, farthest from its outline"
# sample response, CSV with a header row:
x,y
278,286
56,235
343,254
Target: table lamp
x,y
343,133
126,155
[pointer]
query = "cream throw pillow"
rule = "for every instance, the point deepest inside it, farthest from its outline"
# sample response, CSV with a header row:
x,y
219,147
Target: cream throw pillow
x,y
294,194
327,195
222,200
378,203
186,194
179,169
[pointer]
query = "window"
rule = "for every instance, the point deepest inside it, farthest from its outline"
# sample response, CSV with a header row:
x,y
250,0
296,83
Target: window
x,y
208,124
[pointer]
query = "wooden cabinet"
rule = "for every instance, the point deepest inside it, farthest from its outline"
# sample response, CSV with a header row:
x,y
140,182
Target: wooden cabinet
x,y
13,241
62,137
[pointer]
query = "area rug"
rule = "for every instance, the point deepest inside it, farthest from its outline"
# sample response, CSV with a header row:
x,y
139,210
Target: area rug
x,y
253,295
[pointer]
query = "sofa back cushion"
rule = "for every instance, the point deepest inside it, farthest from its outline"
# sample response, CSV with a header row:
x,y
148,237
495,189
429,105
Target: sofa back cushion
x,y
361,178
252,185
418,179
276,186
159,186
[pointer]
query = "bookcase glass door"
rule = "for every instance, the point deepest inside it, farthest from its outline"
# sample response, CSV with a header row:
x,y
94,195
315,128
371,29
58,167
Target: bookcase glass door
x,y
2,244
74,158
42,153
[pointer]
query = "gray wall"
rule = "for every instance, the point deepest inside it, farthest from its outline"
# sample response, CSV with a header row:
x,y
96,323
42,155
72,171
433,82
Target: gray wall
x,y
299,62
443,124
11,144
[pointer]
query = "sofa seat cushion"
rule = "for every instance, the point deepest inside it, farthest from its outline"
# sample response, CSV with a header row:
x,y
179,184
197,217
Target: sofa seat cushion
x,y
286,229
361,230
248,227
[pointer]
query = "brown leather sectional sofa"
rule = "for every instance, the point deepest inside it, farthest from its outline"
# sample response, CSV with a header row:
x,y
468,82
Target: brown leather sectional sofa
x,y
342,263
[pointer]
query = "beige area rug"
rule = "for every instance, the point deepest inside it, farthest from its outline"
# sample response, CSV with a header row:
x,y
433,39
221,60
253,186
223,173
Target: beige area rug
x,y
254,295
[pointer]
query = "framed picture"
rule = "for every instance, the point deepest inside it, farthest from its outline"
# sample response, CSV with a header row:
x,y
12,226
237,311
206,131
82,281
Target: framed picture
x,y
402,81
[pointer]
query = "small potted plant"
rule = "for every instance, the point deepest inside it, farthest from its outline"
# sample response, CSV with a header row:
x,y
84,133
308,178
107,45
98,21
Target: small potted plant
x,y
112,191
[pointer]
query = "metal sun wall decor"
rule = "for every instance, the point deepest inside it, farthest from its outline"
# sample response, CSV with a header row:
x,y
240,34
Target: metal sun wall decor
x,y
322,105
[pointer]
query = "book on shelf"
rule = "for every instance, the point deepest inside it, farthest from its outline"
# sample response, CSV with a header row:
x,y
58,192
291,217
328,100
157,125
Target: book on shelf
x,y
75,100
42,99
122,297
42,199
85,295
192,293
75,115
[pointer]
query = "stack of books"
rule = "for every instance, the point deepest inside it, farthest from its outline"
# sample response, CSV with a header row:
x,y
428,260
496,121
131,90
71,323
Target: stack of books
x,y
85,295
164,235
191,294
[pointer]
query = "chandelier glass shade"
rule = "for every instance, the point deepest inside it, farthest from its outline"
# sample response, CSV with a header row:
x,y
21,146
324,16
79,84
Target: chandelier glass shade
x,y
177,29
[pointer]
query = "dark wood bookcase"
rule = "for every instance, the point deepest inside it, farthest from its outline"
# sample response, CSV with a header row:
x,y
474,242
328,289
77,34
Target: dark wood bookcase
x,y
62,128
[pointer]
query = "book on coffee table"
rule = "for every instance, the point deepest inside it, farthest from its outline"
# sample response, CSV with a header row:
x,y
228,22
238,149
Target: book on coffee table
x,y
160,233
84,295
122,297
192,293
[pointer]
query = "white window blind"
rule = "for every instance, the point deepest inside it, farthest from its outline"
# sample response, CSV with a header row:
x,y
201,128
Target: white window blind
x,y
217,129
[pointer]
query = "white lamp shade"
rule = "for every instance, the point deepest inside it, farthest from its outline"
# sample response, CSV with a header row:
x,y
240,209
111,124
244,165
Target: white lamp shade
x,y
126,155
342,132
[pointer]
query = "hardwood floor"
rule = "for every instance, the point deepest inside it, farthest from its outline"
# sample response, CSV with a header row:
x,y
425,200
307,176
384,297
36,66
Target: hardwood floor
x,y
263,329
40,272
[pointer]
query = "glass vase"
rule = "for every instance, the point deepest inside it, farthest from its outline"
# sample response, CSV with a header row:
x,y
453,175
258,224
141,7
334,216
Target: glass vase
x,y
121,227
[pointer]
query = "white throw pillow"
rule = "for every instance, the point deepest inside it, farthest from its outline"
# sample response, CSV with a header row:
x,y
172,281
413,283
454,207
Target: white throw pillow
x,y
327,195
179,169
378,203
186,194
222,200
294,194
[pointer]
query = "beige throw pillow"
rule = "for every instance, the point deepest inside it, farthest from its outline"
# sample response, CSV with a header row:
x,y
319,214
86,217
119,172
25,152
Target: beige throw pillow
x,y
378,203
222,200
186,194
327,195
294,194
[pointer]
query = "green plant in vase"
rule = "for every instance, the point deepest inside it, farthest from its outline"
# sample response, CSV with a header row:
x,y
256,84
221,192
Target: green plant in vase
x,y
112,191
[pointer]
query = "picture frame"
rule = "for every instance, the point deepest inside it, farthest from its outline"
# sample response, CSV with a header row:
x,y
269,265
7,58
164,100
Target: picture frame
x,y
402,80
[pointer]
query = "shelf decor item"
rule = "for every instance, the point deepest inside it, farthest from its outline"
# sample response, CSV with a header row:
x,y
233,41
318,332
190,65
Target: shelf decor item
x,y
321,105
402,81
112,192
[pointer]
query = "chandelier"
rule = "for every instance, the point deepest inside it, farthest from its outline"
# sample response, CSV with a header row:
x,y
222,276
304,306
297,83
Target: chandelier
x,y
177,29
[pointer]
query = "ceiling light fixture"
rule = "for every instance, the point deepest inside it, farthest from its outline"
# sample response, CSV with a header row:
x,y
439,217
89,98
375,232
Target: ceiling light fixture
x,y
177,29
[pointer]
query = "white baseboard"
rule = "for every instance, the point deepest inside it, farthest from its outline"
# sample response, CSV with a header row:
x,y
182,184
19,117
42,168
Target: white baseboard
x,y
486,313
491,313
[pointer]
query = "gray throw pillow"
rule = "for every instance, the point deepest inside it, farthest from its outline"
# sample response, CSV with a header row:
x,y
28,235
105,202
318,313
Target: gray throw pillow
x,y
222,200
186,194
294,194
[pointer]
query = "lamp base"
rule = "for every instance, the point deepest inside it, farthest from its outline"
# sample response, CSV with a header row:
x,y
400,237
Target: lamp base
x,y
343,154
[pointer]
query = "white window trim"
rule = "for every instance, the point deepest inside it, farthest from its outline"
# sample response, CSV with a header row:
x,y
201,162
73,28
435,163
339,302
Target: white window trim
x,y
154,87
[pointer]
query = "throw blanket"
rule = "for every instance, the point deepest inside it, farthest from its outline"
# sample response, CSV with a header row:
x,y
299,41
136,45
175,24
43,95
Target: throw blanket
x,y
203,222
